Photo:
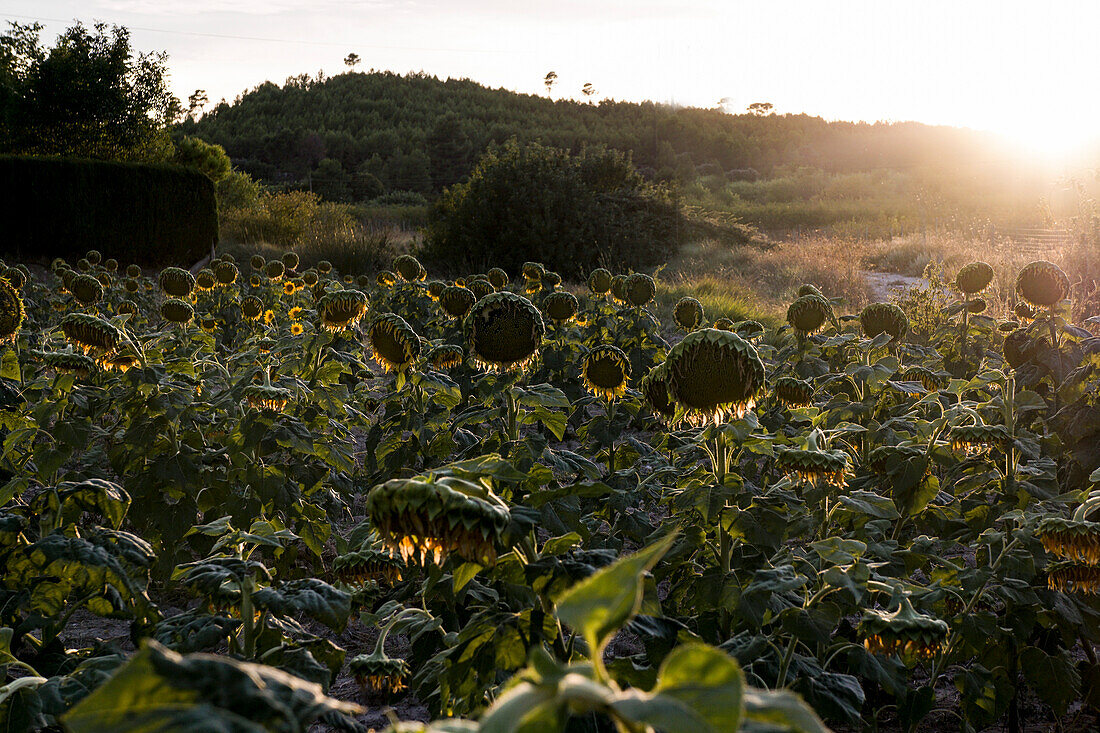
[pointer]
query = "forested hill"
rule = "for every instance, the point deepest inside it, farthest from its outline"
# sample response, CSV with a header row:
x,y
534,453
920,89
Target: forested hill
x,y
418,133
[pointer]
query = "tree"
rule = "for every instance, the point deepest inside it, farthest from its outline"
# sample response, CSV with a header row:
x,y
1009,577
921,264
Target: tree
x,y
450,151
411,172
761,108
588,90
551,77
210,159
196,102
90,95
331,182
352,60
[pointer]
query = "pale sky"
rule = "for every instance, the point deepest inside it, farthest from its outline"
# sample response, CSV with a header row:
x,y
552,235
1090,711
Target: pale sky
x,y
1026,69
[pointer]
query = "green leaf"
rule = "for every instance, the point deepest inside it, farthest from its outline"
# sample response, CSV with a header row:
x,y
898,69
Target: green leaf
x,y
780,709
602,603
706,680
1054,678
9,367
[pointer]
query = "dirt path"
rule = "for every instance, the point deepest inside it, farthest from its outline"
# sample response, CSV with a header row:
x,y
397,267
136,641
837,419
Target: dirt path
x,y
883,284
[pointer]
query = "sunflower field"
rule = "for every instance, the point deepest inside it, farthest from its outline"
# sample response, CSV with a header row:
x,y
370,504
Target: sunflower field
x,y
265,497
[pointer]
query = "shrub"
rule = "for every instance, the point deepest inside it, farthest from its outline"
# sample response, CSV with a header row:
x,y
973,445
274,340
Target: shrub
x,y
572,213
132,212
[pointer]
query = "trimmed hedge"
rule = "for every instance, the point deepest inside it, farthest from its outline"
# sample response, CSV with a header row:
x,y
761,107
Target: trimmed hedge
x,y
134,212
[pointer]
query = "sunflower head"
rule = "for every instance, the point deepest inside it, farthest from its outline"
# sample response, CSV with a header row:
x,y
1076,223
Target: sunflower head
x,y
1042,284
266,397
654,387
1074,575
560,306
688,313
12,312
176,282
794,392
480,287
130,285
974,278
128,308
275,269
533,270
1019,347
815,466
341,309
297,329
367,565
133,271
226,273
324,267
393,342
385,279
498,278
878,318
290,260
714,374
252,307
435,288
930,380
639,289
606,371
176,310
550,280
255,280
618,288
58,263
257,262
724,324
208,325
289,288
67,362
977,439
83,265
904,632
110,265
91,334
1071,539
86,289
94,256
599,281
205,280
67,278
456,301
1024,311
379,674
15,277
504,331
409,268
446,357
808,314
809,289
310,278
429,517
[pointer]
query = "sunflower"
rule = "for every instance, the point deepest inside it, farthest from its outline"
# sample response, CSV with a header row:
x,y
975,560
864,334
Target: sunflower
x,y
269,316
794,392
393,342
533,270
341,309
618,288
599,281
560,306
379,674
208,325
290,260
606,371
809,289
133,271
111,265
309,278
1042,284
815,466
1074,575
205,280
429,517
176,282
714,374
930,380
86,289
324,267
808,314
12,312
1071,539
288,288
366,566
446,356
639,289
252,308
435,288
688,313
94,257
504,331
226,273
724,324
266,396
1024,311
654,387
904,632
177,311
296,329
409,268
974,278
275,269
977,439
90,334
255,281
128,308
15,277
385,278
498,278
879,318
66,362
480,288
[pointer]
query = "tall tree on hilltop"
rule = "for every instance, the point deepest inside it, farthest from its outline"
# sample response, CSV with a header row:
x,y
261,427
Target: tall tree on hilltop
x,y
549,80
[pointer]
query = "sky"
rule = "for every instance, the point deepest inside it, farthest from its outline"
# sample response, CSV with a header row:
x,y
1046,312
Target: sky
x,y
1023,69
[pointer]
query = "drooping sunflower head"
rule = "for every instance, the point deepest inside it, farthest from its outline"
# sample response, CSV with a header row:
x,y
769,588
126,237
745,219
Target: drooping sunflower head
x,y
606,371
120,362
67,278
1024,311
688,313
15,277
808,314
255,280
341,309
480,287
58,263
1042,284
176,282
409,268
226,272
393,342
266,397
176,310
599,281
205,280
83,265
363,281
324,267
639,289
904,632
714,374
367,565
110,265
435,288
1075,576
428,517
86,289
498,278
130,285
618,288
385,279
252,307
724,324
105,279
310,278
1071,539
794,392
654,387
208,325
446,357
290,260
930,380
974,278
67,362
504,331
266,345
977,439
815,466
257,262
878,318
809,289
1018,348
533,270
550,281
92,335
977,305
94,256
12,312
275,270
378,674
133,271
456,301
128,308
560,306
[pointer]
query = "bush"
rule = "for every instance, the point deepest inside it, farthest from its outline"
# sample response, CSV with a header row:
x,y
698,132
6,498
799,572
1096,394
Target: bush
x,y
572,213
133,212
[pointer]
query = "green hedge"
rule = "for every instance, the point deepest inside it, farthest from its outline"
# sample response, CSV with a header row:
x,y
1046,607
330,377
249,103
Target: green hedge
x,y
134,212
